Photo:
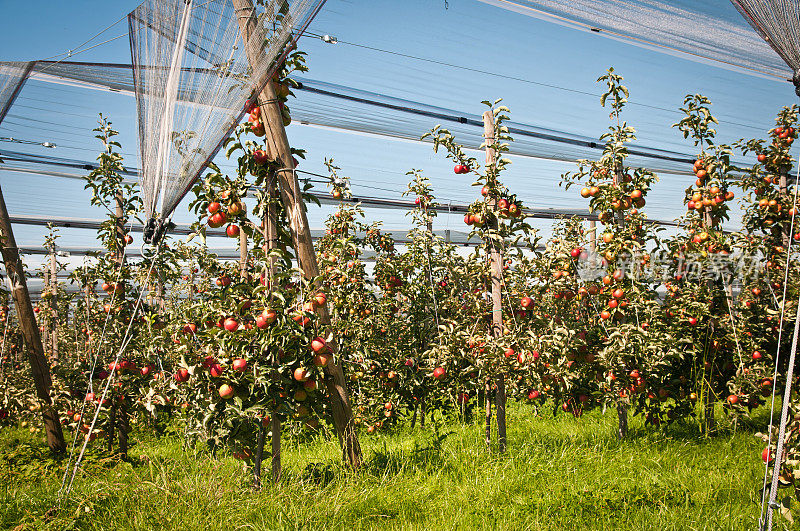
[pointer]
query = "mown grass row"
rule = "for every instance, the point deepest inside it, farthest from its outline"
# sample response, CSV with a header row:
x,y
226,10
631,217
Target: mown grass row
x,y
559,473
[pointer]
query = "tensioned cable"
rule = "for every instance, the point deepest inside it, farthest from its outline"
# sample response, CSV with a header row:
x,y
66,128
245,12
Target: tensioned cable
x,y
511,78
785,405
126,339
95,358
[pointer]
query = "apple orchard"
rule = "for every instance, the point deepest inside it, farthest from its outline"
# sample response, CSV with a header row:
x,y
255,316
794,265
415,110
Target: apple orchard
x,y
611,313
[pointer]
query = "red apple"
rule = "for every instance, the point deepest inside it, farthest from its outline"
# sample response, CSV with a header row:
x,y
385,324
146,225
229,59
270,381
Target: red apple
x,y
225,391
239,364
766,455
321,359
318,345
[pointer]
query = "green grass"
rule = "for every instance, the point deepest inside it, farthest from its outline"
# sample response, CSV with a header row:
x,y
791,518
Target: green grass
x,y
558,473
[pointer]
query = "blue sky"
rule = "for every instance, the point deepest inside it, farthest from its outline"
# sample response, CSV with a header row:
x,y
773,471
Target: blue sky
x,y
557,67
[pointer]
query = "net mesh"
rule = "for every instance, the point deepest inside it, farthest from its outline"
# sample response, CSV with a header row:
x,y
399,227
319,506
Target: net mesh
x,y
778,23
711,30
346,108
12,77
193,72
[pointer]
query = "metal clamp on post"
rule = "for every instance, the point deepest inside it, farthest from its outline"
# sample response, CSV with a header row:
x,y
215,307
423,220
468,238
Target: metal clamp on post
x,y
155,230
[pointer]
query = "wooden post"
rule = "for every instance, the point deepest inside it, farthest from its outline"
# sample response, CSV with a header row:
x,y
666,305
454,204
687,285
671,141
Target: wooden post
x,y
290,192
30,331
53,304
592,236
242,253
191,281
497,281
160,291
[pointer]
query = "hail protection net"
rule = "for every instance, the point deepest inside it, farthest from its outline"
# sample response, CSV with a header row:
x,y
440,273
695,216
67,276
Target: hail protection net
x,y
711,30
346,108
12,77
195,65
778,23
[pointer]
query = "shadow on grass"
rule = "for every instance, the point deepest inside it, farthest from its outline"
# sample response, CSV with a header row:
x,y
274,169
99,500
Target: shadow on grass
x,y
385,461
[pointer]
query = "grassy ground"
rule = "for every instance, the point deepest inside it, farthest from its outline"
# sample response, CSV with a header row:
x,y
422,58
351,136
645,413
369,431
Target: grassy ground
x,y
559,473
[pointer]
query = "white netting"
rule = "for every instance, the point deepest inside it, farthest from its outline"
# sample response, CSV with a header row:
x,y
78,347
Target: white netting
x,y
778,23
12,77
193,75
701,30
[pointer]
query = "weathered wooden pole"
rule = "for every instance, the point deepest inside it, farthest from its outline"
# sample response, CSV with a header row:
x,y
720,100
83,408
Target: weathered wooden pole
x,y
497,280
291,195
30,331
242,253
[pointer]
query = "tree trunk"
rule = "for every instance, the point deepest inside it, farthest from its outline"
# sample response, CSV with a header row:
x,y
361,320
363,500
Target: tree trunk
x,y
30,331
709,403
278,145
112,426
259,456
500,406
488,410
276,449
622,408
124,427
784,191
622,418
53,305
497,284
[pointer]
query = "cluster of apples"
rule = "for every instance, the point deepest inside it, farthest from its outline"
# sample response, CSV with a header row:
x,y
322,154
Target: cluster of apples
x,y
217,217
706,198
